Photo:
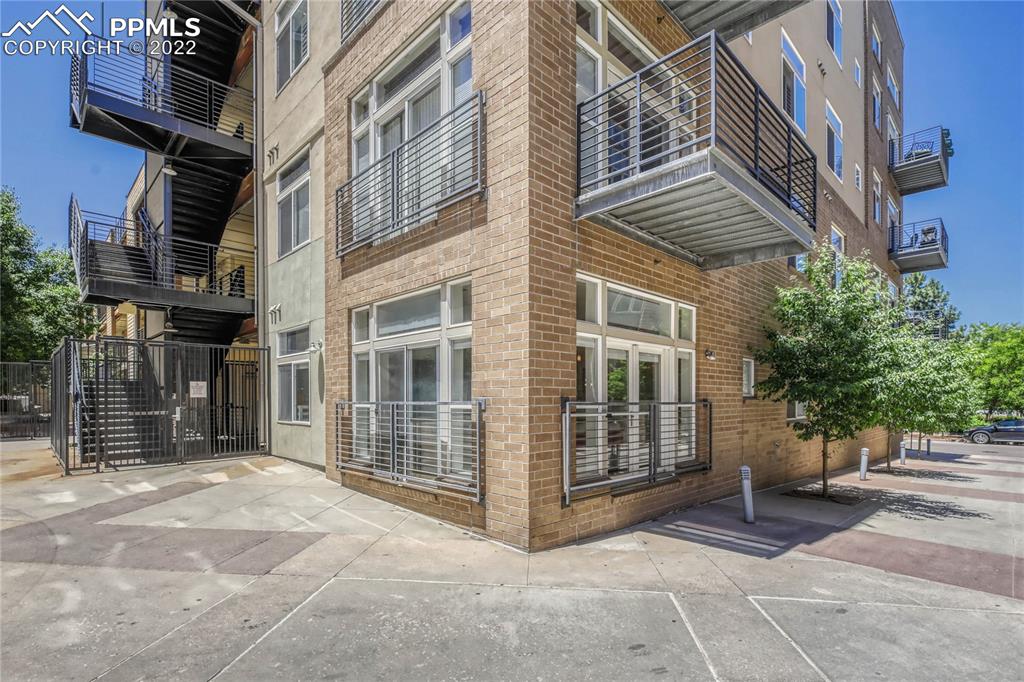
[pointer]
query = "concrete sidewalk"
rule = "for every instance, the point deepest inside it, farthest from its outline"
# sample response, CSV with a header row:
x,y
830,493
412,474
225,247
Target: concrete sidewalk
x,y
261,569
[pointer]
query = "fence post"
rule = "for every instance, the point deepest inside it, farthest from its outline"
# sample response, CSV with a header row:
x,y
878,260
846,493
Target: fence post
x,y
653,444
393,420
714,88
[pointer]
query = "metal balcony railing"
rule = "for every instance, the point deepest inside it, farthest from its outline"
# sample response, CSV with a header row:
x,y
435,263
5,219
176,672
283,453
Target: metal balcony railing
x,y
440,165
353,14
164,88
924,144
432,444
610,445
131,251
920,236
698,97
929,323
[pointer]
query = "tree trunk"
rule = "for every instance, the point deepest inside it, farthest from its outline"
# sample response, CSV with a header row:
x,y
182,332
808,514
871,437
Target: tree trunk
x,y
888,453
824,467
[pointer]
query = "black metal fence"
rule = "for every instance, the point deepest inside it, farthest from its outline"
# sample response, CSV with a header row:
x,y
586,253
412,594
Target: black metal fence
x,y
24,399
118,402
612,445
440,165
353,14
431,444
163,87
918,146
699,96
919,236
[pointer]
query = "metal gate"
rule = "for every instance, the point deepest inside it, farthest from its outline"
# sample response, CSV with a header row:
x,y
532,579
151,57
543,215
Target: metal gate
x,y
125,401
24,399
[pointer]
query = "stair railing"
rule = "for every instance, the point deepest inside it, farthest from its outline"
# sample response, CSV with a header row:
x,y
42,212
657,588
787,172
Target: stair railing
x,y
77,240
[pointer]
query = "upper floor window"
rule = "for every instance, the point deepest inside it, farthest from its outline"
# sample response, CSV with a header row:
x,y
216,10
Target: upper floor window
x,y
749,377
858,180
606,51
794,92
838,242
876,198
894,212
833,140
834,28
876,105
892,133
421,85
876,44
894,88
292,30
293,205
857,75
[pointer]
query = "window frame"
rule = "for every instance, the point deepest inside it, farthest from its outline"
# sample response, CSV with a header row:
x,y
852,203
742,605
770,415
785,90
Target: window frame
x,y
876,43
799,411
830,125
837,30
281,25
876,104
748,391
876,197
858,177
290,191
891,85
858,74
891,207
799,76
293,360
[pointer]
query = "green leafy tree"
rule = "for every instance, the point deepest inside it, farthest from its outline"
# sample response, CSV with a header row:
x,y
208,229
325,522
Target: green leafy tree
x,y
998,365
926,300
39,301
827,348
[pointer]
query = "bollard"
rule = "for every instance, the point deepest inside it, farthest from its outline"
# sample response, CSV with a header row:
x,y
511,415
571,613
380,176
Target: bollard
x,y
864,464
929,451
748,496
903,454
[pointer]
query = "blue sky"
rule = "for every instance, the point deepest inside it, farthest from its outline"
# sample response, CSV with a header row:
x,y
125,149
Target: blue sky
x,y
963,69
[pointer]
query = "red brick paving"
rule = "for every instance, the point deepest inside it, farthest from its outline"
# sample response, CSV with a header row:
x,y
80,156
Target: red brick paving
x,y
932,488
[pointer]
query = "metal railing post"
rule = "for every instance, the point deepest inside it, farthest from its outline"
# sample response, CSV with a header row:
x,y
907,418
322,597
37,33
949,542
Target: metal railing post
x,y
394,187
714,88
653,442
566,449
393,421
789,166
757,131
636,138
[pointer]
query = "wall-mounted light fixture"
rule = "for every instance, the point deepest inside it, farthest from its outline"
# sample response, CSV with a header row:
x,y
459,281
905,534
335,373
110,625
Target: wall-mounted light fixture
x,y
168,169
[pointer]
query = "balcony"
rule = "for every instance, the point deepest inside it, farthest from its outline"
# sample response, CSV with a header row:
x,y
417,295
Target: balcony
x,y
160,107
691,156
730,18
928,323
920,161
438,167
609,447
435,445
121,259
919,246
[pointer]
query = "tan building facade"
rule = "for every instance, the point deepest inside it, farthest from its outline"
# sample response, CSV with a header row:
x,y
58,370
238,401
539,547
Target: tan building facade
x,y
519,337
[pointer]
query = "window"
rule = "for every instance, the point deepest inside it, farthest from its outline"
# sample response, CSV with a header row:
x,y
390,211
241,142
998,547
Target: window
x,y
876,105
361,325
409,314
857,76
293,376
293,205
838,242
834,28
586,300
796,410
630,311
604,58
876,44
749,373
894,212
894,88
876,198
587,19
833,140
894,291
459,24
586,74
794,92
858,180
798,262
460,303
892,133
292,39
686,329
749,35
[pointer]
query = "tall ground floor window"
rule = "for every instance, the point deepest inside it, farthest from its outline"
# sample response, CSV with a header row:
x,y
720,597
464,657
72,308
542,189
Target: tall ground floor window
x,y
293,376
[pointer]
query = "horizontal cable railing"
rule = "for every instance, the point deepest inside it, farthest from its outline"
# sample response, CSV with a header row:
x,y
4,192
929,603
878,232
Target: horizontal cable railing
x,y
610,445
924,234
699,96
440,165
433,444
353,14
924,144
164,87
131,251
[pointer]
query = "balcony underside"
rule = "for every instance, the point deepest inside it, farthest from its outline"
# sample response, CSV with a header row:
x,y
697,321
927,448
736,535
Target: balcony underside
x,y
730,18
115,119
104,291
921,175
703,209
920,259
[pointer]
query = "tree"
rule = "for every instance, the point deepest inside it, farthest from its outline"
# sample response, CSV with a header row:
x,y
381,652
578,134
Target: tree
x,y
926,300
38,293
998,365
827,347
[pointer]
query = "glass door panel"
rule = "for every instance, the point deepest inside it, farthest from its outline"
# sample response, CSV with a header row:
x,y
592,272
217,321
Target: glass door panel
x,y
419,449
589,425
619,416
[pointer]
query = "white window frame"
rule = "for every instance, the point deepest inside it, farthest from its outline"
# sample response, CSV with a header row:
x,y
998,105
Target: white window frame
x,y
799,74
283,23
837,12
748,387
834,164
380,113
876,104
290,190
609,69
891,208
876,45
858,75
892,86
876,193
892,131
292,361
799,411
858,177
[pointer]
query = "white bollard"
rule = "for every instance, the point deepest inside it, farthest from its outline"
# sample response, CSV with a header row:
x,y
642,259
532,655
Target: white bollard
x,y
748,495
903,454
863,464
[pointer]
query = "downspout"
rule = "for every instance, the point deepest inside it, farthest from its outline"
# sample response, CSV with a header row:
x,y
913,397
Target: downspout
x,y
258,201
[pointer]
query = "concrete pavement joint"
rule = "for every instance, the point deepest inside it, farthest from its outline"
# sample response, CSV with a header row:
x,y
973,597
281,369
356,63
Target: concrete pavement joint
x,y
813,600
789,639
693,635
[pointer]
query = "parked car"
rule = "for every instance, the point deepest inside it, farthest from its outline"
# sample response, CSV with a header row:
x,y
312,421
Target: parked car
x,y
1011,430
